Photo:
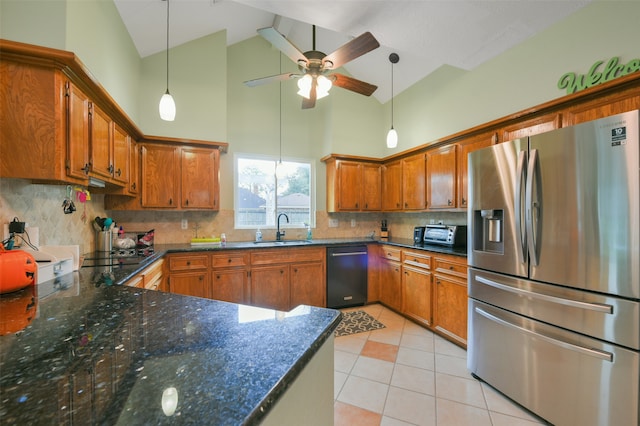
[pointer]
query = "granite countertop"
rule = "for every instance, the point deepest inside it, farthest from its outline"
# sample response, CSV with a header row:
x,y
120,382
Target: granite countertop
x,y
89,352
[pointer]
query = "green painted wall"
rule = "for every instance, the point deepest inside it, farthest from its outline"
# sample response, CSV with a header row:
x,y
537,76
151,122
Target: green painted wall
x,y
41,22
197,82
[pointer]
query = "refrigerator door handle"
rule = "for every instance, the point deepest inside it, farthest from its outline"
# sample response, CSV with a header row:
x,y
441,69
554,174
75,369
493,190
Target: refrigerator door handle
x,y
521,178
597,307
533,207
606,356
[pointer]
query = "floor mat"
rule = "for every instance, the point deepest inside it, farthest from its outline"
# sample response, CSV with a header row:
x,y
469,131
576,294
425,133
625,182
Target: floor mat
x,y
357,322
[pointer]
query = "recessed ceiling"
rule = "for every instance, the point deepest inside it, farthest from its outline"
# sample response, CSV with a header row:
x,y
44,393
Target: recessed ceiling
x,y
425,33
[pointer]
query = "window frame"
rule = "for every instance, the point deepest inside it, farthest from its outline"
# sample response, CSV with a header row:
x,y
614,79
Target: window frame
x,y
275,159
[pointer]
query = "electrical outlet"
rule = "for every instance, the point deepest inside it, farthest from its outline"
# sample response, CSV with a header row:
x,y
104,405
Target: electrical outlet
x,y
353,223
184,224
333,223
432,222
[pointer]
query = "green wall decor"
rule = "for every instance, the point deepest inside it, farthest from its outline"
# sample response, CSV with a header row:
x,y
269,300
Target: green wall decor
x,y
612,70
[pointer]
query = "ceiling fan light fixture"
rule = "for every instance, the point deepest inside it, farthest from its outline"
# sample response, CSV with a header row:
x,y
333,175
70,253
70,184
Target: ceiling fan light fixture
x,y
323,87
304,84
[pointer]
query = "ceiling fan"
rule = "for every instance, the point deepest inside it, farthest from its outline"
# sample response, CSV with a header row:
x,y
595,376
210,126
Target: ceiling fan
x,y
316,78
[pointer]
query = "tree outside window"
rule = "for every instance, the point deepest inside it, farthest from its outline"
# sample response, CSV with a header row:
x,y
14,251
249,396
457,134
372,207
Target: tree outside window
x,y
266,187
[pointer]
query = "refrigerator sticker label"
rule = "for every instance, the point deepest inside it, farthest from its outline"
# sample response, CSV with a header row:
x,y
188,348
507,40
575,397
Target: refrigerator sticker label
x,y
618,136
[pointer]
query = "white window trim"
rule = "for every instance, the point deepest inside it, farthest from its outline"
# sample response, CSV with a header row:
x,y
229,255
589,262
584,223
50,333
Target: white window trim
x,y
312,191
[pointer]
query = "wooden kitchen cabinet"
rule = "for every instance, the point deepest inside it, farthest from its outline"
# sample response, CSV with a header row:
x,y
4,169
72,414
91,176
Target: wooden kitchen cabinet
x,y
287,277
230,276
122,149
188,274
151,278
450,297
160,176
353,185
77,150
467,146
100,143
417,286
390,283
392,186
441,177
413,182
199,174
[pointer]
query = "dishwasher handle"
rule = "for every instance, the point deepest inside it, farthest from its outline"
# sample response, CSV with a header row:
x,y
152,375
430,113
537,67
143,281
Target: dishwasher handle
x,y
353,253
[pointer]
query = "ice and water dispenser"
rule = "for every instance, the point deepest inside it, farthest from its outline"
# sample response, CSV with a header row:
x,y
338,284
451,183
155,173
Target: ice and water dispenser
x,y
488,230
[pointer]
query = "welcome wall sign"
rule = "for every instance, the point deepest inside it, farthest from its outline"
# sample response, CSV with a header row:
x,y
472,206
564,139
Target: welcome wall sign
x,y
613,69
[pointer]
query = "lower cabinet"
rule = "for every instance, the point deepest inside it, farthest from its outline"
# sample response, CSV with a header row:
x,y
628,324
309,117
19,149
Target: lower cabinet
x,y
151,278
188,274
306,287
428,287
270,287
450,307
230,276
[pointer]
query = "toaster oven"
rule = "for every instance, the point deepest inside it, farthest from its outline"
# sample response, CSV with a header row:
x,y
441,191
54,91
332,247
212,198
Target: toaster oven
x,y
446,235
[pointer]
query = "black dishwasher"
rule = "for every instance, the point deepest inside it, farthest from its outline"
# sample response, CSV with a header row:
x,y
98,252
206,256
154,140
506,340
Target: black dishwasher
x,y
346,276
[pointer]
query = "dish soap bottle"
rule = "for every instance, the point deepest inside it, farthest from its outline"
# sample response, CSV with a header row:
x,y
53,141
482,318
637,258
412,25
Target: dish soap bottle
x,y
309,236
258,235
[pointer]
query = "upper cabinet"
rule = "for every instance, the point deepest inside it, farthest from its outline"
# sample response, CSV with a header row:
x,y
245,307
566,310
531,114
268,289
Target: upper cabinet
x,y
413,182
353,185
392,186
464,148
441,177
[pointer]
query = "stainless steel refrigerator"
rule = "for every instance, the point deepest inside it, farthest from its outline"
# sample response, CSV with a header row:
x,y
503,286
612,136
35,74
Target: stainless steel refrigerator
x,y
554,277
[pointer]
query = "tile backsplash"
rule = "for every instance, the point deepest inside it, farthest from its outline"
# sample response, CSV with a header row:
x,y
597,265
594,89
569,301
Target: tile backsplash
x,y
41,206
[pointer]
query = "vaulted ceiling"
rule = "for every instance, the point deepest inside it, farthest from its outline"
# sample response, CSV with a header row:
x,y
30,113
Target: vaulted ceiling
x,y
425,33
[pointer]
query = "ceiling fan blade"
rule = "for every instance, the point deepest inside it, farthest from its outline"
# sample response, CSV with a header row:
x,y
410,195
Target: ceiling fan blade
x,y
353,84
281,43
311,102
349,51
270,79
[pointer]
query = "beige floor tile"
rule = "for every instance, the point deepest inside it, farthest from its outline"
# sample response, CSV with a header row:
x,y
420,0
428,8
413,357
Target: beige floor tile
x,y
344,361
352,343
454,388
445,347
414,379
388,421
373,369
373,310
501,404
338,381
452,365
411,327
386,335
423,342
416,358
499,419
412,407
451,413
364,393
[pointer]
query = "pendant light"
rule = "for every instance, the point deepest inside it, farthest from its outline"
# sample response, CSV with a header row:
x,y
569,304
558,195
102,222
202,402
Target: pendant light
x,y
392,136
167,107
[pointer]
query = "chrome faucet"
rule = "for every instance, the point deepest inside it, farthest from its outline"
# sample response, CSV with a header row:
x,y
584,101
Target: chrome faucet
x,y
280,234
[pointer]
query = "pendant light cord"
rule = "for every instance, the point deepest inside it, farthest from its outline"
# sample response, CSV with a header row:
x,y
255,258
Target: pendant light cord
x,y
167,46
280,93
391,93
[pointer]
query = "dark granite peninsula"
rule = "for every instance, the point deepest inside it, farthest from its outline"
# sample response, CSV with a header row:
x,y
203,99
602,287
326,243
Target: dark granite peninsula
x,y
88,353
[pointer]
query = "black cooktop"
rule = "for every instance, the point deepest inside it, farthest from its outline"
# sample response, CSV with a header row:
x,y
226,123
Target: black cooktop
x,y
116,257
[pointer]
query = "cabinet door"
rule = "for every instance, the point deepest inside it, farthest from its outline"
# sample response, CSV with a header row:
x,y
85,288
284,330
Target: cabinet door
x,y
199,171
160,176
229,285
451,308
350,185
416,294
308,285
392,186
391,284
121,155
77,133
413,182
441,178
371,187
190,283
482,141
100,146
134,168
270,287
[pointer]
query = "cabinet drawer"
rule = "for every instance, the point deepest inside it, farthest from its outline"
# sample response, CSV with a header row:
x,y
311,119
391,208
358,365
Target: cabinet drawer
x,y
287,255
446,266
153,276
230,260
189,262
417,259
391,253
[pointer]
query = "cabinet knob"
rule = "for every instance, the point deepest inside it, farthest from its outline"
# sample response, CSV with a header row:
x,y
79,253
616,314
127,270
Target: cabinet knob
x,y
437,281
451,267
119,172
464,201
110,169
170,201
449,202
201,278
188,263
133,185
186,202
86,168
230,260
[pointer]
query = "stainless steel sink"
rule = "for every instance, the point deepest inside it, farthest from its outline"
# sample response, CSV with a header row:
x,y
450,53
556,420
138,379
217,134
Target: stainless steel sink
x,y
282,242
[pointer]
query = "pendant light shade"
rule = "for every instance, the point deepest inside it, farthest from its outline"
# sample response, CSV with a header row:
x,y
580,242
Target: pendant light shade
x,y
167,107
392,136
